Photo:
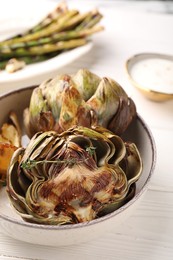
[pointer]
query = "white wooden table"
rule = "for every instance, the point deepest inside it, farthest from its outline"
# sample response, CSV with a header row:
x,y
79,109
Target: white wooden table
x,y
148,234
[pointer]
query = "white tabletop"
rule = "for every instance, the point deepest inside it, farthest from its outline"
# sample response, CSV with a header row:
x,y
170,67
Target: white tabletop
x,y
130,28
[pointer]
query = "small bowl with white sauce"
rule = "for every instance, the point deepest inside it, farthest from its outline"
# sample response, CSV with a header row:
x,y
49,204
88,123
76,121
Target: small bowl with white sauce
x,y
152,74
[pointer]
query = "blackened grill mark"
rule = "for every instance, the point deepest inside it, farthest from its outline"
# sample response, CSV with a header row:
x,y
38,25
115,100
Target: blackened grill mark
x,y
46,121
96,205
86,200
59,208
46,190
101,182
73,191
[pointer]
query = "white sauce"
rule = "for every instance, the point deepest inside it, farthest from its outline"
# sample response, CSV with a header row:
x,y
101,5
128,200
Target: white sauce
x,y
154,73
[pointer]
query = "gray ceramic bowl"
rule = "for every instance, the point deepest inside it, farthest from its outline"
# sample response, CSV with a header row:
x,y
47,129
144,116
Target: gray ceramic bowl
x,y
15,227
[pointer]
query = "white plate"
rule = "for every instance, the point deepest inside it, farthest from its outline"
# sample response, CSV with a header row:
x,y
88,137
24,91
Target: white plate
x,y
21,17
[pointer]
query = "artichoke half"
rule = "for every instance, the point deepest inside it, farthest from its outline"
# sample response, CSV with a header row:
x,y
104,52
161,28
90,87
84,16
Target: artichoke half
x,y
83,99
72,177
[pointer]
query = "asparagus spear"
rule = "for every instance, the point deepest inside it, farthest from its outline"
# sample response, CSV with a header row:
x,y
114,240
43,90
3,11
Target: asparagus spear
x,y
67,35
51,17
54,15
90,21
42,49
52,28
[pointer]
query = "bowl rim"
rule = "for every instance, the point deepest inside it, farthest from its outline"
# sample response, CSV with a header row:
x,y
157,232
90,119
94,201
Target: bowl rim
x,y
103,218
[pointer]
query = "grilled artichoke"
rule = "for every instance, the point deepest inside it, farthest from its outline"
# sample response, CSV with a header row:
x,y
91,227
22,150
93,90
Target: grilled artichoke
x,y
72,177
83,99
10,140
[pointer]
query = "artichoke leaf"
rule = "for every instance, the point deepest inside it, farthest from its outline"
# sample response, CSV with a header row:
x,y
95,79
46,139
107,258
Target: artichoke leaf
x,y
112,206
36,140
74,111
52,90
10,131
118,149
13,186
85,143
98,136
133,163
38,117
105,101
38,104
41,143
86,83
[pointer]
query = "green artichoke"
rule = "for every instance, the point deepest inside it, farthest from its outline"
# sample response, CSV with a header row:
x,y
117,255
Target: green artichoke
x,y
83,99
72,177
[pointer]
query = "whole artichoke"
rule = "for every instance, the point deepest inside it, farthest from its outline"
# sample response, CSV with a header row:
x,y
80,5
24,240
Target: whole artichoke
x,y
83,99
72,177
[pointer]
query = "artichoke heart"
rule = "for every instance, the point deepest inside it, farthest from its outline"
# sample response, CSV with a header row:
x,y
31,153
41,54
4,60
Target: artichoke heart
x,y
72,177
83,99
